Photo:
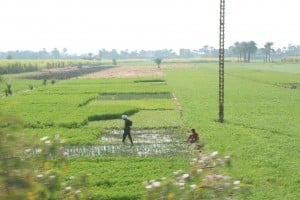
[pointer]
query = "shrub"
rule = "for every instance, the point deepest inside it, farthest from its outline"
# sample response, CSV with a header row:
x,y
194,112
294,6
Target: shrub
x,y
34,169
114,61
30,87
8,91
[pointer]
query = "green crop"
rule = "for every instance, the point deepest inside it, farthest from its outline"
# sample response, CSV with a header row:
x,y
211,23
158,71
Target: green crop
x,y
261,129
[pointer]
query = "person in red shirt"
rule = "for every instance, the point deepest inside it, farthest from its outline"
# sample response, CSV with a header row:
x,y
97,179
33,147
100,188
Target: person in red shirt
x,y
194,137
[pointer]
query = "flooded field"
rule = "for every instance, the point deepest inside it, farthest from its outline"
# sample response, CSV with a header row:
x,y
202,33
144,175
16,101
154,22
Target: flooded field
x,y
146,142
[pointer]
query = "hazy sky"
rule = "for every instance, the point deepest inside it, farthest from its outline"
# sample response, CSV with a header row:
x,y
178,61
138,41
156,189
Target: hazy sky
x,y
84,26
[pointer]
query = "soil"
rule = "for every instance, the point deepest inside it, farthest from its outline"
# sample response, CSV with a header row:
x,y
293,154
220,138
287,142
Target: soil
x,y
127,72
135,71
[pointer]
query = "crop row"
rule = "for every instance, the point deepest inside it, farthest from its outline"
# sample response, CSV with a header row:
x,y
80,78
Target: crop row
x,y
56,106
20,66
66,74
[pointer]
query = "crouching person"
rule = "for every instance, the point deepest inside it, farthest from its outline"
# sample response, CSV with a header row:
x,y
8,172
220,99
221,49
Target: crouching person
x,y
193,137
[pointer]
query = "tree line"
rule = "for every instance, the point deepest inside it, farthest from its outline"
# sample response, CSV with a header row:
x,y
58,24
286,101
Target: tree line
x,y
244,51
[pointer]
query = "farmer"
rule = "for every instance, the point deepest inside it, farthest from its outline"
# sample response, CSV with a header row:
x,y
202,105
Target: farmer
x,y
127,126
193,137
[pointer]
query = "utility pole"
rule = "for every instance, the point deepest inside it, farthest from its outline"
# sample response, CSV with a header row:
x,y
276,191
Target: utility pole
x,y
221,60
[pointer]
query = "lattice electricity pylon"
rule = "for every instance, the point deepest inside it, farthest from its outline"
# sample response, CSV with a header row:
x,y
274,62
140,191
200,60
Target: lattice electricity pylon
x,y
221,60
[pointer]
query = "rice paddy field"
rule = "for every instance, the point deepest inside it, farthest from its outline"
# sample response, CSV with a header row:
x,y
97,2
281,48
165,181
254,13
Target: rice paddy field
x,y
260,132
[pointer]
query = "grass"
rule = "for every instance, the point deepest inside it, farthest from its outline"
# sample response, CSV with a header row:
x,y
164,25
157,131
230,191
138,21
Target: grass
x,y
122,178
261,128
75,103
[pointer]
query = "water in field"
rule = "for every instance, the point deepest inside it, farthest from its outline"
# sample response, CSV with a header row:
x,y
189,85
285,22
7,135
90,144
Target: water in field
x,y
146,142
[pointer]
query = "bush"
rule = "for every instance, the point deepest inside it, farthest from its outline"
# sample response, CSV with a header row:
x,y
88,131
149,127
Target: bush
x,y
201,182
34,169
8,91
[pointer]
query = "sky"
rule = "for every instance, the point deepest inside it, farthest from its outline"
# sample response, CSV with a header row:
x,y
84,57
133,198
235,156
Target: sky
x,y
84,26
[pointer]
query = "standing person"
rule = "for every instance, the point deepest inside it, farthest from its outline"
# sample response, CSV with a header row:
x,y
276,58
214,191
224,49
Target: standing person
x,y
194,137
127,128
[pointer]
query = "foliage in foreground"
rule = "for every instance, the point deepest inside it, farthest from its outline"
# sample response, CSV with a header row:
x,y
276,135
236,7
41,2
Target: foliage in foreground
x,y
34,170
201,182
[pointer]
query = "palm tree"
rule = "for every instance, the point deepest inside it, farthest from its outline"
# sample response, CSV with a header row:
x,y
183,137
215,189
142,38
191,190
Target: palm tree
x,y
244,49
268,50
252,48
237,50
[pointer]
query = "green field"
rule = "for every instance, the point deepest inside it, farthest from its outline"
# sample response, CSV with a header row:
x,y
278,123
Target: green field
x,y
261,129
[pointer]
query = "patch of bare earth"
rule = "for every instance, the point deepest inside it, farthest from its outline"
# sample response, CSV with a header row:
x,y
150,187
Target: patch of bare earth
x,y
127,72
134,71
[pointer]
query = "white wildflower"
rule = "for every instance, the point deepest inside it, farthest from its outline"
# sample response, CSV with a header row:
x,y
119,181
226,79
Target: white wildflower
x,y
27,150
151,181
180,184
194,160
48,142
199,171
213,154
193,186
156,184
71,177
68,188
52,177
227,157
148,186
185,176
44,138
201,161
38,150
163,178
40,176
236,182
